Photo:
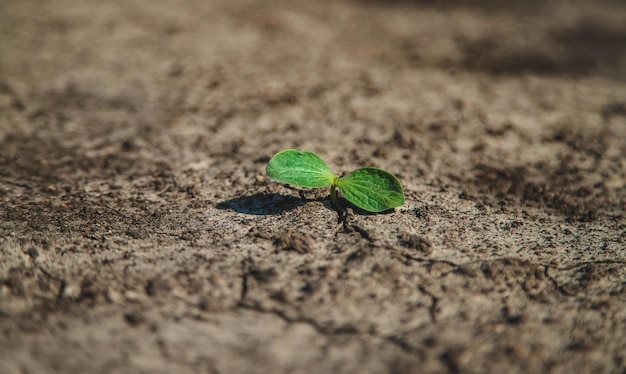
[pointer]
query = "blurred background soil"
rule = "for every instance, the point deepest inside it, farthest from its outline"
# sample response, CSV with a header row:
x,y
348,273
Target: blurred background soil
x,y
140,234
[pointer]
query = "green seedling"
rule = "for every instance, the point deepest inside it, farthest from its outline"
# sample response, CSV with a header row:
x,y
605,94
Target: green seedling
x,y
371,189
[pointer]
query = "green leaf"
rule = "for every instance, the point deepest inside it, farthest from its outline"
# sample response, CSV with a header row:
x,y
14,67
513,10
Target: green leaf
x,y
300,168
372,189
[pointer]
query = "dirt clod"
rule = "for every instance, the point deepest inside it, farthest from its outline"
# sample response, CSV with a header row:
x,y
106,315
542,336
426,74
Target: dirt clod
x,y
295,241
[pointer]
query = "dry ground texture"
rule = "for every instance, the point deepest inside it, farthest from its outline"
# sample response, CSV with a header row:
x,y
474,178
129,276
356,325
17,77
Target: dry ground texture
x,y
140,234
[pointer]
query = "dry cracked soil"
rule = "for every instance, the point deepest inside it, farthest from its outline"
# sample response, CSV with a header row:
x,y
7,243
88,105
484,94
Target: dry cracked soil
x,y
139,232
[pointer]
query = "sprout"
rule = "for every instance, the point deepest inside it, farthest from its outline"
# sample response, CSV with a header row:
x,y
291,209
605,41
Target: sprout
x,y
371,189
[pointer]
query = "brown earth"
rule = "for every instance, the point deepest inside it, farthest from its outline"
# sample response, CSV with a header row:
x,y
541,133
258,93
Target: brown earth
x,y
140,234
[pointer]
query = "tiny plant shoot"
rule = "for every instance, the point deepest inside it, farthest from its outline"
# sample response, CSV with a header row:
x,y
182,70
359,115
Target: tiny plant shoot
x,y
371,189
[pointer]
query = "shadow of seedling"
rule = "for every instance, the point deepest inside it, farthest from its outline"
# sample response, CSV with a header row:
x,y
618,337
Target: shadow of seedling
x,y
261,204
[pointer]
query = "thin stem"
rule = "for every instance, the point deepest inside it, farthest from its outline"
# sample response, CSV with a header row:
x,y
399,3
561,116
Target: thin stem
x,y
333,196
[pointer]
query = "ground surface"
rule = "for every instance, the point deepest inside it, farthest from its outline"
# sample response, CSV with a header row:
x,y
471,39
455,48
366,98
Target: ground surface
x,y
139,233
